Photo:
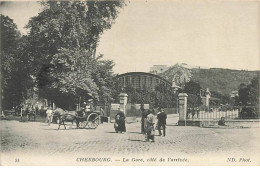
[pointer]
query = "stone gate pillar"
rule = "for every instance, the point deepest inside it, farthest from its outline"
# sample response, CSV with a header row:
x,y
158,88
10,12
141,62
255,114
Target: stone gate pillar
x,y
182,109
123,102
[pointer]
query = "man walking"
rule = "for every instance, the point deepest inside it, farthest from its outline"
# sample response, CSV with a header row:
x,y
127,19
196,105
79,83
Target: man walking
x,y
161,116
144,115
49,113
149,126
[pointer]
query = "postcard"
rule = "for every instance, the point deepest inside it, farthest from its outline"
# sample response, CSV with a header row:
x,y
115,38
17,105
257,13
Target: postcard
x,y
130,83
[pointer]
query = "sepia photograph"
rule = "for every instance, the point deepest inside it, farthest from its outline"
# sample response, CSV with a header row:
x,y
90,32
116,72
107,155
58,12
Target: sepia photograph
x,y
130,83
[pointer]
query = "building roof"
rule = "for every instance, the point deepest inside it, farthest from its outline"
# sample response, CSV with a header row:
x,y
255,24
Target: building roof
x,y
144,74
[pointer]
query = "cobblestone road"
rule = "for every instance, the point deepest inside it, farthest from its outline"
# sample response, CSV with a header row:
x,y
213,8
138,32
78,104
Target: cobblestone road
x,y
35,138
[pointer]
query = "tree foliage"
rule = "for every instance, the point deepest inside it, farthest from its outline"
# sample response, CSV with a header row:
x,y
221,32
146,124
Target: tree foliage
x,y
9,43
71,71
249,99
63,40
15,67
193,90
249,94
70,24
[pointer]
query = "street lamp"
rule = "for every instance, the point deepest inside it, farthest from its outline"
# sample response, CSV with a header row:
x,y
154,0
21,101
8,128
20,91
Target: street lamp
x,y
175,89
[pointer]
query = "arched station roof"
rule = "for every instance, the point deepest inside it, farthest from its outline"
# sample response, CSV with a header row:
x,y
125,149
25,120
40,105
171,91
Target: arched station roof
x,y
145,74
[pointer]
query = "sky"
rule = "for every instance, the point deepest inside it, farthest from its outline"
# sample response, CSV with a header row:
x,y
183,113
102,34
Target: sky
x,y
216,33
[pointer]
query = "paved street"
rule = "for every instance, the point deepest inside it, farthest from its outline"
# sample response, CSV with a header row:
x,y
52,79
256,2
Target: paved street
x,y
36,139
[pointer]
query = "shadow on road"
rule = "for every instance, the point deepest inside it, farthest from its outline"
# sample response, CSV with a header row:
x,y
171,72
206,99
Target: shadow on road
x,y
135,132
137,140
62,129
111,132
54,129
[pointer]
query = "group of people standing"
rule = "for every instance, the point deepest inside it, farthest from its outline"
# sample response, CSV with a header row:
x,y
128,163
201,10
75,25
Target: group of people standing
x,y
150,121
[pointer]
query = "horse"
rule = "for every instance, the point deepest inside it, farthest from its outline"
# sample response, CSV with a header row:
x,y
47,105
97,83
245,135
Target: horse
x,y
65,116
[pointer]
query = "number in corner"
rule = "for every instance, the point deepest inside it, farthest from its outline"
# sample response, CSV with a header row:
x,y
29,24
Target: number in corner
x,y
16,160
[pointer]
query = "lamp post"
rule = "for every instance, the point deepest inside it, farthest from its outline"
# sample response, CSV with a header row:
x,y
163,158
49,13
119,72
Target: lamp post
x,y
175,89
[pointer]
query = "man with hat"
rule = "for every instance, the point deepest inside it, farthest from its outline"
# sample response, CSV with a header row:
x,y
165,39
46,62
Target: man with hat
x,y
161,116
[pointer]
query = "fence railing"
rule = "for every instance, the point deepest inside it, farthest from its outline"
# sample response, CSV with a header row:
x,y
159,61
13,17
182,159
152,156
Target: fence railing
x,y
214,114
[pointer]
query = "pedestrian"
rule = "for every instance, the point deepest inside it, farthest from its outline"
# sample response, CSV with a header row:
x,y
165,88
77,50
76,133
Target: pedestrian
x,y
198,112
120,122
188,113
101,116
161,116
49,113
149,126
144,115
37,110
27,110
32,113
193,112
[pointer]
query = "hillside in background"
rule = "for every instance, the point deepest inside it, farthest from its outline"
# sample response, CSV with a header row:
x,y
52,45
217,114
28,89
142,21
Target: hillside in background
x,y
221,80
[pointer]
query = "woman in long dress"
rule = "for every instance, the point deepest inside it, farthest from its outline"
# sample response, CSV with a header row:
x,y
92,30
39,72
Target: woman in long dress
x,y
120,122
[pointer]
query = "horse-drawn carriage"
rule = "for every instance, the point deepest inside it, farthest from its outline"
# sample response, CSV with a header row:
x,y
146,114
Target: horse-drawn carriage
x,y
89,120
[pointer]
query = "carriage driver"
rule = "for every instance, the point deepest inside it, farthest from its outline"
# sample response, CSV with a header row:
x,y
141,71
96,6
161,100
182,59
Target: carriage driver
x,y
89,106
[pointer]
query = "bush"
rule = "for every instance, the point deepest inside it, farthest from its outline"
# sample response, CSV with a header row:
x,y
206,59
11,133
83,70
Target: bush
x,y
249,113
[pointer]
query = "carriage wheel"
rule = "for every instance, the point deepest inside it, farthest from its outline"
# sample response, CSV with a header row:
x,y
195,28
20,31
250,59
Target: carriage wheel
x,y
82,124
91,125
94,125
93,120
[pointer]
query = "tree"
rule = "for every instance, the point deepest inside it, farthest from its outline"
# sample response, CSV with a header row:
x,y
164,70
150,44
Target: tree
x,y
72,72
70,24
63,40
9,42
193,90
116,89
15,65
249,94
249,99
243,94
253,91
